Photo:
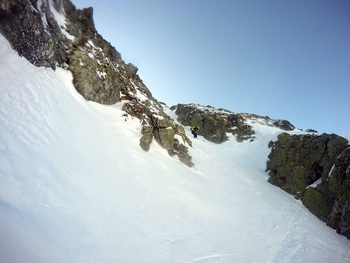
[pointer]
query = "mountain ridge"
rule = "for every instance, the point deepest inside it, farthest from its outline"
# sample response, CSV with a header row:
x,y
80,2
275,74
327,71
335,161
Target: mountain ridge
x,y
100,75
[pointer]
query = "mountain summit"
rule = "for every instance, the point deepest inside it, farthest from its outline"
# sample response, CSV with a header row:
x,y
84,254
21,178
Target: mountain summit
x,y
90,168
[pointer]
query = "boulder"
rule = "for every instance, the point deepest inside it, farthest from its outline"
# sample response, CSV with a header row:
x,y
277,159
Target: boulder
x,y
165,137
146,139
315,169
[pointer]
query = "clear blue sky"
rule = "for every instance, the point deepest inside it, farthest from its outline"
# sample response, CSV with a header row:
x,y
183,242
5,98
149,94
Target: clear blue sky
x,y
284,59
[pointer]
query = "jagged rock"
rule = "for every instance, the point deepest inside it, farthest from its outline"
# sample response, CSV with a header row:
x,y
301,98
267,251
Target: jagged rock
x,y
99,73
311,130
297,161
182,152
244,132
33,32
165,137
161,127
134,109
339,178
132,69
339,218
213,123
93,79
81,22
179,130
146,139
284,125
337,186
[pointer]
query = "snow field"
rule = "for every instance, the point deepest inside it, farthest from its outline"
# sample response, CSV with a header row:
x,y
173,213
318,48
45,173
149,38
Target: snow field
x,y
76,187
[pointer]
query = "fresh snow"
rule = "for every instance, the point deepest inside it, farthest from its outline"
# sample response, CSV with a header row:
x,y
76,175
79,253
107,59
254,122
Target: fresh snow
x,y
76,187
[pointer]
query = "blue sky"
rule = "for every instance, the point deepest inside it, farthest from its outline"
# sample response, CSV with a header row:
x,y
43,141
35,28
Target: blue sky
x,y
282,59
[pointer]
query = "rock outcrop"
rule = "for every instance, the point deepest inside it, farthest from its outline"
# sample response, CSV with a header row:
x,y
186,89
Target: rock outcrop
x,y
315,169
215,124
33,31
53,33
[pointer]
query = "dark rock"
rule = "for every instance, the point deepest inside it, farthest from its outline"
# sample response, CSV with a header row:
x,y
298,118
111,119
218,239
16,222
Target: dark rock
x,y
317,203
42,44
132,69
81,22
243,132
134,109
93,79
161,127
165,137
311,130
284,125
297,161
213,124
35,34
146,139
182,152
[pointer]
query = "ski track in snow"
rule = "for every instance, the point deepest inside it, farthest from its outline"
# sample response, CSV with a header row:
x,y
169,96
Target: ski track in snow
x,y
76,187
216,259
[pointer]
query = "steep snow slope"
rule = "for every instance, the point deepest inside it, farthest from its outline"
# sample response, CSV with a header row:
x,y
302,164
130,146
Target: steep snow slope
x,y
76,187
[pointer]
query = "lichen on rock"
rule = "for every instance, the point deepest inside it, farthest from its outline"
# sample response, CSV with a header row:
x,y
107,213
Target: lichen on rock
x,y
298,161
317,203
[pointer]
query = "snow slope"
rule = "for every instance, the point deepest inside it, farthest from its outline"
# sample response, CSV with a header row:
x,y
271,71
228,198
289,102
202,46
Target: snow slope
x,y
76,187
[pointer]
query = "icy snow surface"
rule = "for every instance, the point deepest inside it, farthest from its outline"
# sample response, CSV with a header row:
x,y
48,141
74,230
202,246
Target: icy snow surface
x,y
76,187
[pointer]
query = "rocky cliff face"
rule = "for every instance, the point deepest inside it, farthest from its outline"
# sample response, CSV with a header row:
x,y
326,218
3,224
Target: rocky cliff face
x,y
33,31
53,33
216,123
315,169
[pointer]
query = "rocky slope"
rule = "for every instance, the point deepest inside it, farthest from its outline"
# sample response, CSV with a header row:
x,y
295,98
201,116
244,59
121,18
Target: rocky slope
x,y
53,33
214,123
